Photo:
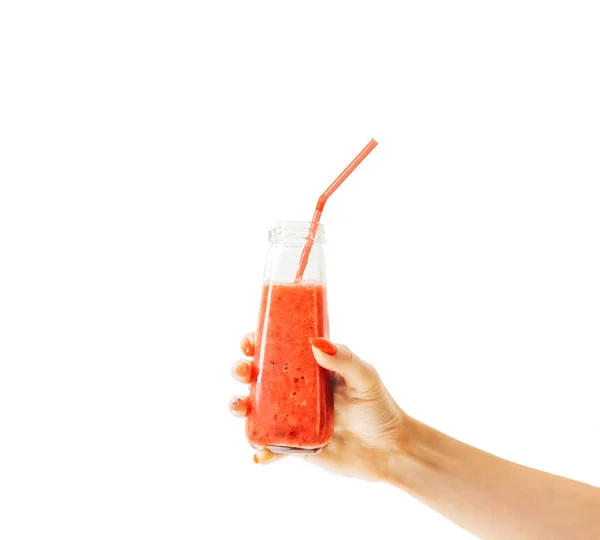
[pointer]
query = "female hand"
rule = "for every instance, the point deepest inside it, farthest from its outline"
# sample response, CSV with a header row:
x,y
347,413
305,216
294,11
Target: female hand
x,y
374,439
369,425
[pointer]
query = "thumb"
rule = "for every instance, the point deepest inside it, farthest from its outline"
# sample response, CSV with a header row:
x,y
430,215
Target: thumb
x,y
342,360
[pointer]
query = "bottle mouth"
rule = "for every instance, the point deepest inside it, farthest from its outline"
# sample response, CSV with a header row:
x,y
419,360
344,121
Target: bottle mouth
x,y
293,231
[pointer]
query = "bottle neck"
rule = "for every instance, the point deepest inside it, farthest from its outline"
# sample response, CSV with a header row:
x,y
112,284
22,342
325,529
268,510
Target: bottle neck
x,y
287,242
296,233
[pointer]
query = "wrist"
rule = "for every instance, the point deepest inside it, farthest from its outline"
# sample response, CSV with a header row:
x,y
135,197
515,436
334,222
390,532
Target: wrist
x,y
415,451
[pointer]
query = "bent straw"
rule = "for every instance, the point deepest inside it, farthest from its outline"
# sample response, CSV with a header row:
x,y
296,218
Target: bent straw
x,y
323,199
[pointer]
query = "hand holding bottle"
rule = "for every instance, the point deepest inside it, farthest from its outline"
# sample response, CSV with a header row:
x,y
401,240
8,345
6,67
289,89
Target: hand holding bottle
x,y
369,425
374,439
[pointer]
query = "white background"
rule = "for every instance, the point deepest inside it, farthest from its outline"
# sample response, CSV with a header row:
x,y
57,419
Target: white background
x,y
146,147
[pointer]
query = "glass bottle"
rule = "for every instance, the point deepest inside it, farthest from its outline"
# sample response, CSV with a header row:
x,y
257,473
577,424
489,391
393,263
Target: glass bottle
x,y
291,399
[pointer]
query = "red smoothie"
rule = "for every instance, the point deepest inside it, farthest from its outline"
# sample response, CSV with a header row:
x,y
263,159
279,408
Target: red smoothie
x,y
291,401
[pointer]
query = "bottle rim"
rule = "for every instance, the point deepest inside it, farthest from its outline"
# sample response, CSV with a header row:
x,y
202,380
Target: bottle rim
x,y
282,231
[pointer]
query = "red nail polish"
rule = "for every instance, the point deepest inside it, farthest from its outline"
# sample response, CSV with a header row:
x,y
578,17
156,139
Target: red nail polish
x,y
324,345
247,347
241,369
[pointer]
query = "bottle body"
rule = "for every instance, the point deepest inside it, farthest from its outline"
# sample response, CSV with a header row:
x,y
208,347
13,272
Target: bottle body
x,y
291,399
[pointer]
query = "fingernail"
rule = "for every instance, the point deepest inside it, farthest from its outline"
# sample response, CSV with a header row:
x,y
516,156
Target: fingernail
x,y
255,458
247,348
324,345
237,406
241,369
264,456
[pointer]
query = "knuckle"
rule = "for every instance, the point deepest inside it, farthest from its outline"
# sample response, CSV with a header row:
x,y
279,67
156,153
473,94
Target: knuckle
x,y
370,372
355,360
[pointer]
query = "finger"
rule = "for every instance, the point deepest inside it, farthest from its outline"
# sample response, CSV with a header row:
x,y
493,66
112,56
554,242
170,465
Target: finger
x,y
238,406
342,360
242,371
247,344
266,456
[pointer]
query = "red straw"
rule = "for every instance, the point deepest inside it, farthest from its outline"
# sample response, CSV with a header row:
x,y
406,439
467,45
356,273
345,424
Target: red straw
x,y
323,199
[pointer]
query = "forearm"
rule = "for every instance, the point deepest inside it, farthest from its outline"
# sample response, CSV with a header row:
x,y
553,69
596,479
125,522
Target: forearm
x,y
491,497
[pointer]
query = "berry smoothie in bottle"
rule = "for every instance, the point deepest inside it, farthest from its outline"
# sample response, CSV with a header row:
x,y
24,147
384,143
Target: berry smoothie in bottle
x,y
290,406
291,400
